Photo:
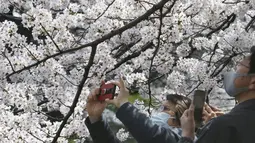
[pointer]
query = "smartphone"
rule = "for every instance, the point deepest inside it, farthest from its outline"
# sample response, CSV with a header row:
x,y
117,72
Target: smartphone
x,y
199,101
107,91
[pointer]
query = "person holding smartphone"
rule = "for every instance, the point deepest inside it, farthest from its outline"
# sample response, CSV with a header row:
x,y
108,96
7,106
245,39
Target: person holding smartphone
x,y
170,112
142,128
238,125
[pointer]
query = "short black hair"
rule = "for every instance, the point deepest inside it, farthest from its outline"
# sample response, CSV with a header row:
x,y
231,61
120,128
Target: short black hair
x,y
252,60
182,103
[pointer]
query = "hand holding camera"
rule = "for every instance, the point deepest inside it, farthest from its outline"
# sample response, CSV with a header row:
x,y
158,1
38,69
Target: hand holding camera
x,y
98,98
94,107
107,91
122,96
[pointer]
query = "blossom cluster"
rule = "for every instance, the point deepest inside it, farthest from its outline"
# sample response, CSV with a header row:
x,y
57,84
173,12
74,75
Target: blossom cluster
x,y
47,48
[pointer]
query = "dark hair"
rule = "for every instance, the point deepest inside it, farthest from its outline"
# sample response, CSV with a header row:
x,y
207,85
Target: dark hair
x,y
252,60
182,103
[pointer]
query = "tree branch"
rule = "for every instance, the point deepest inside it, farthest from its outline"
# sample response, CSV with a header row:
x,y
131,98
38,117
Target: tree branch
x,y
236,2
154,55
100,40
230,19
49,116
214,74
3,54
35,137
169,9
31,53
247,28
105,10
51,38
67,79
124,48
78,93
214,51
134,55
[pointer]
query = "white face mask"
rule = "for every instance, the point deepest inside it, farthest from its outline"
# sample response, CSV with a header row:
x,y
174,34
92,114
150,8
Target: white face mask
x,y
161,119
229,83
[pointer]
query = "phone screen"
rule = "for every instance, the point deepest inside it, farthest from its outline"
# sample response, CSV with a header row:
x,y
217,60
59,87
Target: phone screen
x,y
107,91
198,101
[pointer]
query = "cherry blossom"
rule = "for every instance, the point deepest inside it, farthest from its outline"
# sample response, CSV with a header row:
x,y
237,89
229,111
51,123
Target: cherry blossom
x,y
53,52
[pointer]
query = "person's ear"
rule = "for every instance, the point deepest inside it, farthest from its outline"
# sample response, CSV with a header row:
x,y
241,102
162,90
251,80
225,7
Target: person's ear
x,y
172,122
252,83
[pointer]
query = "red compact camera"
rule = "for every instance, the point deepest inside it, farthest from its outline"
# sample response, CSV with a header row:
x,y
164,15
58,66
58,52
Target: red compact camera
x,y
107,91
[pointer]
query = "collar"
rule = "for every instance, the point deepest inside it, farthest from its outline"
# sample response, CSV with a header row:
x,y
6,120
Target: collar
x,y
246,105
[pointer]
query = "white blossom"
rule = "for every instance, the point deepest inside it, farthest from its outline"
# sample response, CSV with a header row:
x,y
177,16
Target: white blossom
x,y
45,48
122,135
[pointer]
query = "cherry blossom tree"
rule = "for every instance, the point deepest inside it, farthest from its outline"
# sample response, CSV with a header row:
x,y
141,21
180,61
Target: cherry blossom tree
x,y
54,51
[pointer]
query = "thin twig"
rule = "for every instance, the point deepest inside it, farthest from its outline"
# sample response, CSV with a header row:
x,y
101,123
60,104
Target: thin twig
x,y
214,49
230,19
31,53
105,10
63,103
236,2
51,38
131,56
154,55
35,137
247,28
67,79
8,61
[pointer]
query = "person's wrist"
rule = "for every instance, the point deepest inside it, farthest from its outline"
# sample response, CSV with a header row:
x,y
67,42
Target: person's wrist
x,y
186,140
94,119
122,102
190,135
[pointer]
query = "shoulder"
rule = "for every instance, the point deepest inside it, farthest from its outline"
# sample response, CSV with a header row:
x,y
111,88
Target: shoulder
x,y
222,121
218,124
214,127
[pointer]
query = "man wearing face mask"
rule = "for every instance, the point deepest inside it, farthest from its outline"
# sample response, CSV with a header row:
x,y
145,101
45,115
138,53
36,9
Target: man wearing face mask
x,y
238,125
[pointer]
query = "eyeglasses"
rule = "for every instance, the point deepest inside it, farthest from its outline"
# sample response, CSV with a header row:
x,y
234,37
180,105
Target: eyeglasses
x,y
163,108
241,64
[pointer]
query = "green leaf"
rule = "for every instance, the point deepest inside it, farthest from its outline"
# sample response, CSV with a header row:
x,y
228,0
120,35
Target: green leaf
x,y
135,96
71,141
72,138
132,99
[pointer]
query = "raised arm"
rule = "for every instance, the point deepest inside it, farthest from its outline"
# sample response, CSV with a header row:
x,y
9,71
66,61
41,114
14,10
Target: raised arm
x,y
98,128
100,132
141,127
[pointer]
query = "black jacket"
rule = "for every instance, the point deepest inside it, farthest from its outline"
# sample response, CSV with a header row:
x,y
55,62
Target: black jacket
x,y
238,126
235,127
137,124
